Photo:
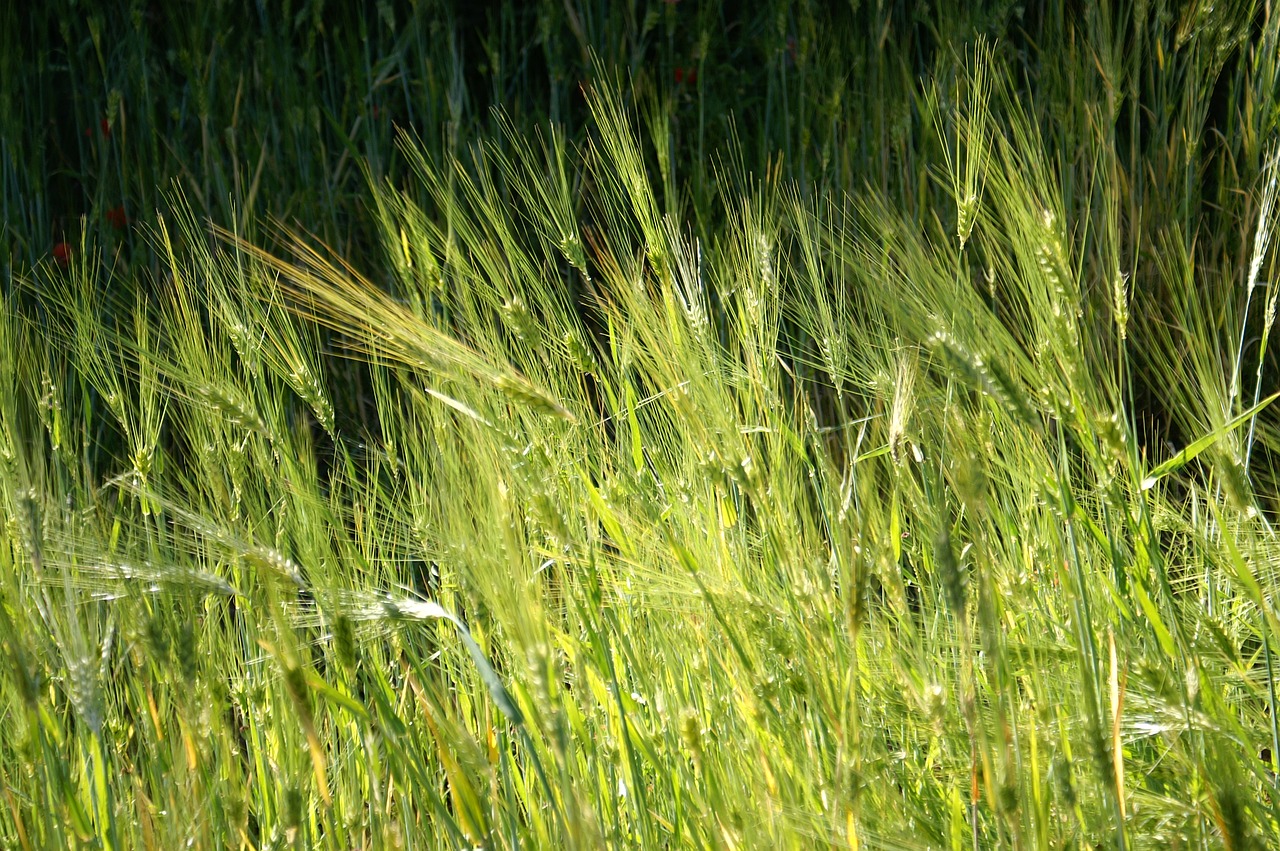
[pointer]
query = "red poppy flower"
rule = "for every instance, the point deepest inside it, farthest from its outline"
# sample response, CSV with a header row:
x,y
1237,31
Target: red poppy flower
x,y
116,217
106,127
62,254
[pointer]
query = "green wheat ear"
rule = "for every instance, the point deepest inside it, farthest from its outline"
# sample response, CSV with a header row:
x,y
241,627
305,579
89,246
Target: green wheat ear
x,y
968,156
388,608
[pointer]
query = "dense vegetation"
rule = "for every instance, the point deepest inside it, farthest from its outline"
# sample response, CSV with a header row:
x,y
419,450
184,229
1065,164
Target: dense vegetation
x,y
645,424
